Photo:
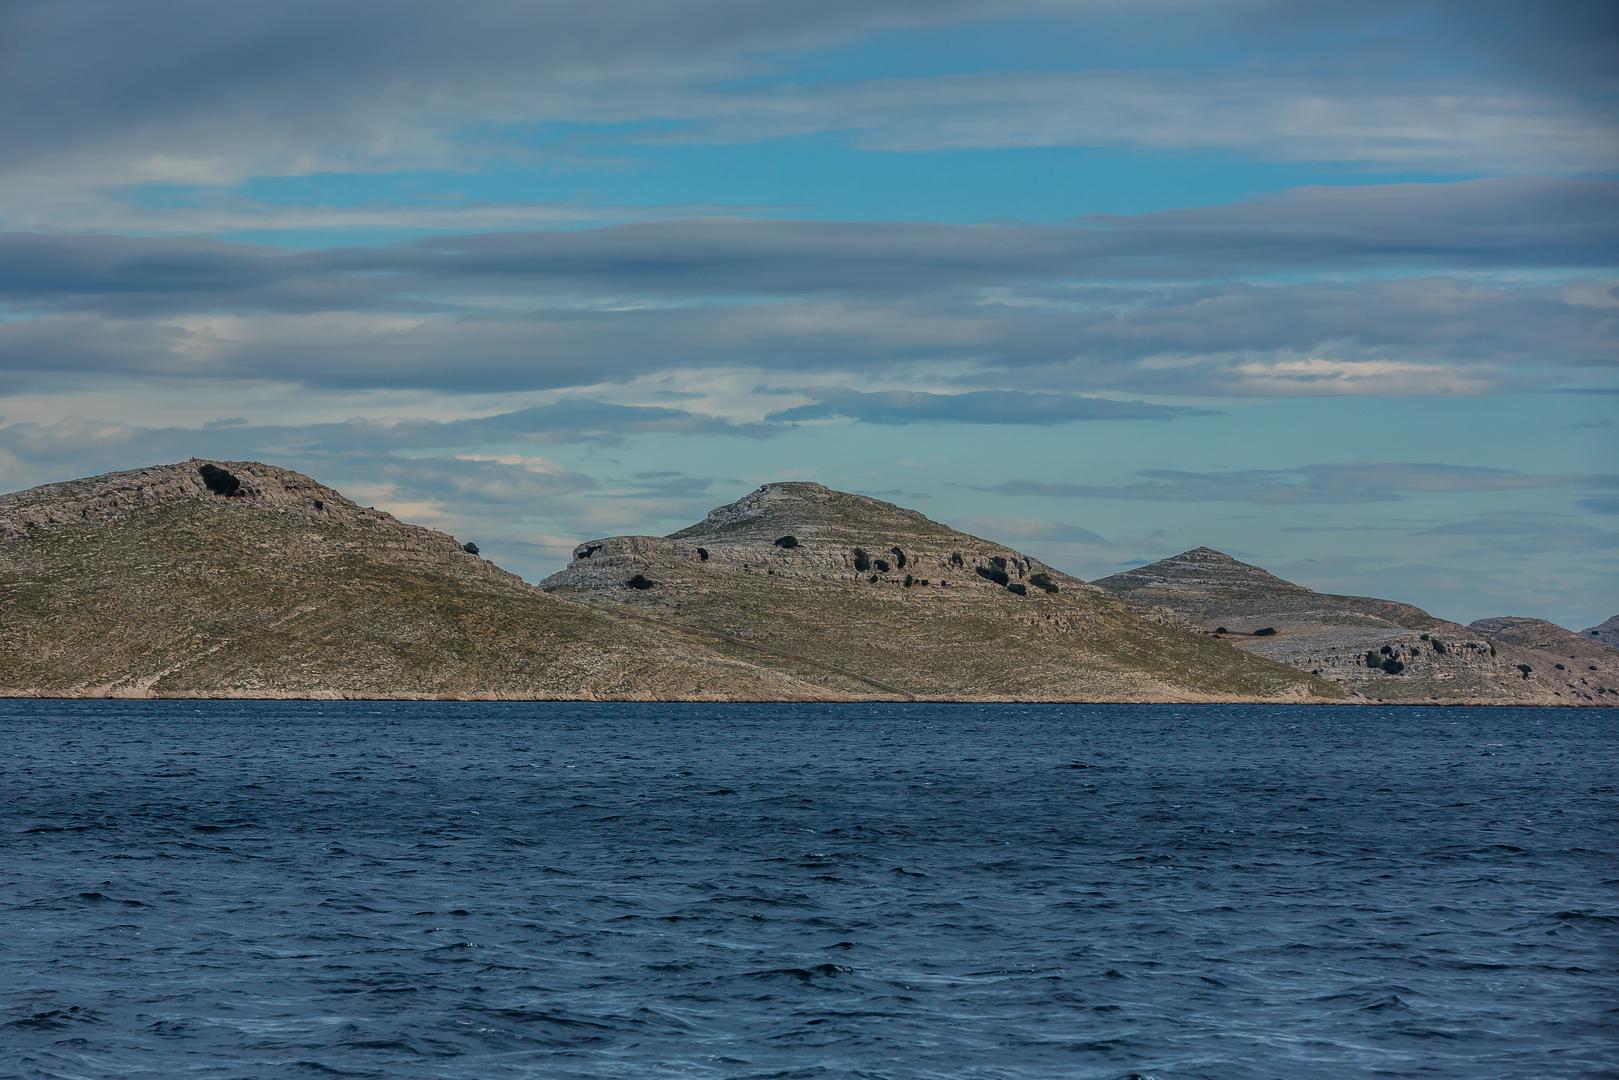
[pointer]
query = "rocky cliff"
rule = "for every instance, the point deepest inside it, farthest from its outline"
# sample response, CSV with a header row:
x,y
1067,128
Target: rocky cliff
x,y
241,579
861,594
1379,650
1606,632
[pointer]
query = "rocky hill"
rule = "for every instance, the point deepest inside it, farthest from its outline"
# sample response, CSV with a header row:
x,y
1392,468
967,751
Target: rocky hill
x,y
1605,632
857,593
1589,668
241,579
1380,650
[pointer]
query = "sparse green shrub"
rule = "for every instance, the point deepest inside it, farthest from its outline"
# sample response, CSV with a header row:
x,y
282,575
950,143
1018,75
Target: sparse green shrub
x,y
993,573
640,581
862,561
957,560
1372,659
788,541
1439,647
1042,580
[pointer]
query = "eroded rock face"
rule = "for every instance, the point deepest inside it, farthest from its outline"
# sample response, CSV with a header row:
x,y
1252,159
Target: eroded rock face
x,y
1378,649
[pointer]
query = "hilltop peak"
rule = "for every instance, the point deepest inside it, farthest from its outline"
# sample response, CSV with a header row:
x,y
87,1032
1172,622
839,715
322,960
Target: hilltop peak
x,y
1206,554
112,496
1202,568
811,508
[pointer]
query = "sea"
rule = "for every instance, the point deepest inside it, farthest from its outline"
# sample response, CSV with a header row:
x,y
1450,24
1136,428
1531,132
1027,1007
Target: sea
x,y
492,890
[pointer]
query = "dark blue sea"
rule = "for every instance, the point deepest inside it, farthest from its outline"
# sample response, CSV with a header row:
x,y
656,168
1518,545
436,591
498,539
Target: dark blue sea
x,y
249,889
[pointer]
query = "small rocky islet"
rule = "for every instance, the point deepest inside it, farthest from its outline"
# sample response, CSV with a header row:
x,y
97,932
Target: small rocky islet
x,y
241,579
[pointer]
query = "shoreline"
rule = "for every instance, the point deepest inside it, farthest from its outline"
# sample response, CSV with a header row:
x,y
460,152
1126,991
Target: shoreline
x,y
336,696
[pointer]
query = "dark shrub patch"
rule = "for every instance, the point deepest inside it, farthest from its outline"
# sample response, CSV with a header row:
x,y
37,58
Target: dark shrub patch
x,y
1386,651
999,561
1492,648
1559,667
702,554
788,541
872,579
1438,646
470,548
957,560
882,566
993,573
909,581
924,581
320,504
1042,580
862,561
1019,588
589,551
1265,631
1526,669
899,557
220,481
1392,666
640,581
1221,630
1372,659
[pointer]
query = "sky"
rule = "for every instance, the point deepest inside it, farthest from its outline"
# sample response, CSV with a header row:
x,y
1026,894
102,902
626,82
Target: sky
x,y
1333,287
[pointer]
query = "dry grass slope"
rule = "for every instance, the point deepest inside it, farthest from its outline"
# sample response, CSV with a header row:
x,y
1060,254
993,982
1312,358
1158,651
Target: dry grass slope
x,y
889,597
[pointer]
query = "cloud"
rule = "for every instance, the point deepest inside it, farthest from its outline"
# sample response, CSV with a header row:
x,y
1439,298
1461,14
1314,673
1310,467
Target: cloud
x,y
1525,532
1024,530
1520,223
84,446
201,92
193,92
1325,116
974,407
1355,482
1599,504
1121,305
